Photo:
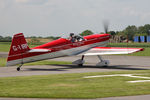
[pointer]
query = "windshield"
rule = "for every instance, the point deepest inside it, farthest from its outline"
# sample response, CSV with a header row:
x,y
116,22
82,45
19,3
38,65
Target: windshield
x,y
73,38
76,38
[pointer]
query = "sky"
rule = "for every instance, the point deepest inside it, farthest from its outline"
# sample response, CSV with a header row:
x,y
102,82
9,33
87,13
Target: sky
x,y
61,17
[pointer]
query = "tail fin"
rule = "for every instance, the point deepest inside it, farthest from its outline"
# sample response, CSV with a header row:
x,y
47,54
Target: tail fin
x,y
18,47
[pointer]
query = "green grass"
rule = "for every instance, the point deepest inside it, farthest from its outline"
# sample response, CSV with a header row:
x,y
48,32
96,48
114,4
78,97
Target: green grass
x,y
2,62
73,86
4,46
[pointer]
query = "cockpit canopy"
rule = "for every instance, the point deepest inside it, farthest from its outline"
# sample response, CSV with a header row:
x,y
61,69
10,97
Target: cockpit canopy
x,y
76,38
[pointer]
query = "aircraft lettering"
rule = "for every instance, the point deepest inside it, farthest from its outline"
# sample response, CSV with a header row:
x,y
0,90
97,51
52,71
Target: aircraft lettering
x,y
14,48
24,46
20,47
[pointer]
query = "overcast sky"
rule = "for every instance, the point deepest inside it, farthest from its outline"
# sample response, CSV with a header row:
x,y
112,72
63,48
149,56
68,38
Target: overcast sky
x,y
59,17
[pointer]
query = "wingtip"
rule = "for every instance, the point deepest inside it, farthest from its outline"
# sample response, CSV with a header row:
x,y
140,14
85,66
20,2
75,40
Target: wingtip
x,y
142,49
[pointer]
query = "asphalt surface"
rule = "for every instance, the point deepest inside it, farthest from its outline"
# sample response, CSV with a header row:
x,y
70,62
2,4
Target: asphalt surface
x,y
3,54
117,63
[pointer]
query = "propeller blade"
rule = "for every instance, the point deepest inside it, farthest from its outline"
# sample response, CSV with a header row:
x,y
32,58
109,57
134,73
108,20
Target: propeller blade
x,y
106,24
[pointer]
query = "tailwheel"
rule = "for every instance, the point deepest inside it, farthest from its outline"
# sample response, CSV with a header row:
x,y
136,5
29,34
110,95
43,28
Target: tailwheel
x,y
18,69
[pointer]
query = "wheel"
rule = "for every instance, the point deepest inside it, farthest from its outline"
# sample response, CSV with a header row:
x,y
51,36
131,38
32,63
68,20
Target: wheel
x,y
18,69
80,65
103,63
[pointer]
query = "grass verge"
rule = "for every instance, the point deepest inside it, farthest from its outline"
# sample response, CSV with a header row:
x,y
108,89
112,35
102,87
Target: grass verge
x,y
2,62
4,46
73,86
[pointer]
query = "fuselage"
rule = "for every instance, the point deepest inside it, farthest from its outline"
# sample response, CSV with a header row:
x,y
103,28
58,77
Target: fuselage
x,y
63,47
65,44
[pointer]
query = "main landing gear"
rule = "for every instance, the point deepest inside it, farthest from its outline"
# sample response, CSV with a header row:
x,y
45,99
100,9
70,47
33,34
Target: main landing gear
x,y
103,63
18,68
79,62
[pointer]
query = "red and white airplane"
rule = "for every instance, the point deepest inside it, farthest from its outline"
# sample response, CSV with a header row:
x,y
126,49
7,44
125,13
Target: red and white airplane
x,y
95,44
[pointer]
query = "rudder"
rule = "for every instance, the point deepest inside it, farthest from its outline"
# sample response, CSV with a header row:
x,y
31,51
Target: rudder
x,y
18,47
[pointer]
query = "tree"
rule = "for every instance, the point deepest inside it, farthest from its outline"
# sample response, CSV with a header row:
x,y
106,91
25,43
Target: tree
x,y
5,39
130,31
147,29
141,29
86,32
112,33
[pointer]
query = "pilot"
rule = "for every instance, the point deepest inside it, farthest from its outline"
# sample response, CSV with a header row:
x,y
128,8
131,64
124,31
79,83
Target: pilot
x,y
79,38
72,38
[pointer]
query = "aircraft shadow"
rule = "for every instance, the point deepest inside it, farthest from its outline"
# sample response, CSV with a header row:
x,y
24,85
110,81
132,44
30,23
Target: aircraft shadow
x,y
66,67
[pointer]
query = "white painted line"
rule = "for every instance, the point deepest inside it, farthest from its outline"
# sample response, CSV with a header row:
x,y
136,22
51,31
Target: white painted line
x,y
139,77
138,81
127,75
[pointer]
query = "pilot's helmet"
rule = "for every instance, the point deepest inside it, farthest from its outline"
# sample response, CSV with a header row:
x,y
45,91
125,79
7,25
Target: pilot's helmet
x,y
71,34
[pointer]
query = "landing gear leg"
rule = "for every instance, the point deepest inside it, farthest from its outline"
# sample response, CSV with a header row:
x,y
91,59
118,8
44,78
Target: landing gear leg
x,y
102,62
82,61
100,58
18,68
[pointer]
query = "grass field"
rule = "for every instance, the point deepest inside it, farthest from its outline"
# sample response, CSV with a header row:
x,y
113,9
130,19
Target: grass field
x,y
4,46
73,86
2,62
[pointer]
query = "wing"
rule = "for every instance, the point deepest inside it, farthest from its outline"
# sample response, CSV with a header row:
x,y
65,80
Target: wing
x,y
111,50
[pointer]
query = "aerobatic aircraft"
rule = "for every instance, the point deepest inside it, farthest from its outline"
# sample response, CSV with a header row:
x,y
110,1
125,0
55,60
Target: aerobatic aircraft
x,y
20,52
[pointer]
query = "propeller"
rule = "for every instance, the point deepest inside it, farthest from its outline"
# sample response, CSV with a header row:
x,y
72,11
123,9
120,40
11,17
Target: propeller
x,y
106,24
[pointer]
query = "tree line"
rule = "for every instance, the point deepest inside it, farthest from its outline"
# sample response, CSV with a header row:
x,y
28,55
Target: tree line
x,y
129,32
5,39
